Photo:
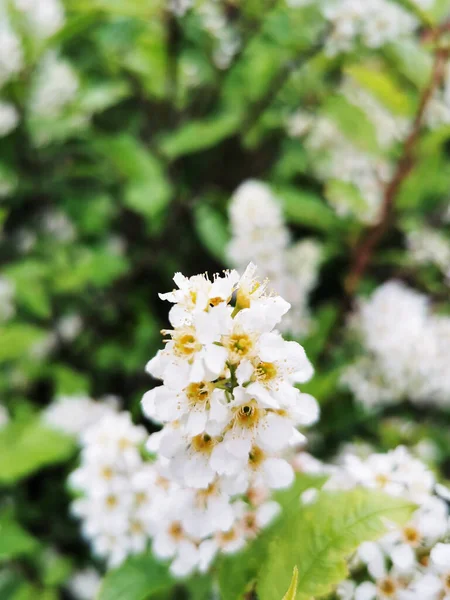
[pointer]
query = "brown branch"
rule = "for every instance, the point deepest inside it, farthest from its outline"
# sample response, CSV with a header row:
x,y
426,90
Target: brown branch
x,y
364,251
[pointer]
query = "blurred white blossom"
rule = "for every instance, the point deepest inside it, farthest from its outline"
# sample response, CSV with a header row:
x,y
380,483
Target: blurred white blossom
x,y
56,85
429,246
44,17
372,23
259,234
9,118
7,293
4,416
74,414
84,584
406,349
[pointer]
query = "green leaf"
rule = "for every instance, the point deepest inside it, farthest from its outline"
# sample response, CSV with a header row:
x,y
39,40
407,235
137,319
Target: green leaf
x,y
29,282
14,541
211,228
137,579
321,536
411,60
292,591
91,266
306,208
147,191
103,95
29,446
199,135
238,572
353,122
383,87
17,339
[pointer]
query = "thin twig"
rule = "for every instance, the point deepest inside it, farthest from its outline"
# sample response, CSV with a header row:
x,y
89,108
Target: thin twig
x,y
364,251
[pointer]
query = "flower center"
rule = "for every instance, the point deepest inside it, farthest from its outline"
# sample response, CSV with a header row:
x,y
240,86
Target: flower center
x,y
136,527
123,443
411,536
248,414
381,480
140,498
387,587
240,344
215,301
186,343
266,371
199,393
176,531
256,457
228,536
111,501
107,473
203,443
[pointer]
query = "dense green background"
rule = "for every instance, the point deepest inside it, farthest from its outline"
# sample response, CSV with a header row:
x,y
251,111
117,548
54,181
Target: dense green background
x,y
146,183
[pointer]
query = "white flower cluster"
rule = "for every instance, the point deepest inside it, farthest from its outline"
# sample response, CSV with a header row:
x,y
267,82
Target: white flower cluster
x,y
114,481
75,414
56,85
429,246
7,293
85,584
259,234
334,156
410,562
44,18
229,411
11,53
406,349
226,37
372,23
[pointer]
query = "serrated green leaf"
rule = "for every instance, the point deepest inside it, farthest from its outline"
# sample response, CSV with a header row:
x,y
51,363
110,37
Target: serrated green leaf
x,y
292,591
27,447
322,536
238,572
14,540
137,579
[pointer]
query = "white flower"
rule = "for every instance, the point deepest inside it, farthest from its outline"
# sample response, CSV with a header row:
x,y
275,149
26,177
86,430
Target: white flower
x,y
44,18
55,86
373,24
405,357
428,246
74,414
85,584
11,54
9,118
7,293
229,409
260,235
4,417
